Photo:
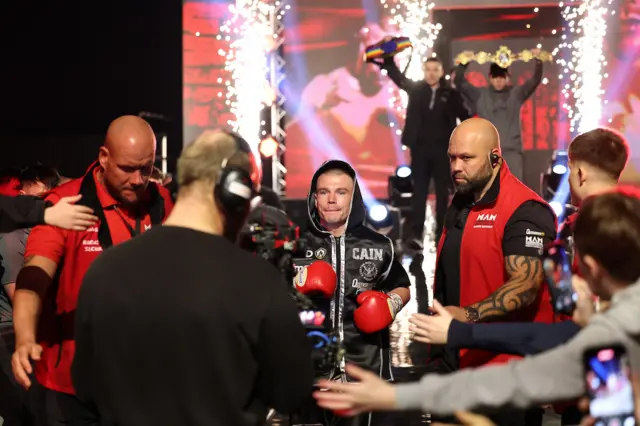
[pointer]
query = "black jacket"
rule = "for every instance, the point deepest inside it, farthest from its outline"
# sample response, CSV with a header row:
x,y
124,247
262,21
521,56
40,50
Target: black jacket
x,y
363,260
20,212
449,106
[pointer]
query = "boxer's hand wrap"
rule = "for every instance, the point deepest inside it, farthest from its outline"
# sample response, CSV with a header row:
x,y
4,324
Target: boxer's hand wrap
x,y
396,303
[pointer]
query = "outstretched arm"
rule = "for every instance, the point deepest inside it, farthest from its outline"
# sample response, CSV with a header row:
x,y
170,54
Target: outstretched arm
x,y
471,92
396,75
526,338
552,376
528,88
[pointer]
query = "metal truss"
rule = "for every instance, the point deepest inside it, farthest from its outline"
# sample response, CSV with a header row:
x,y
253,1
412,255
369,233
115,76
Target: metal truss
x,y
276,77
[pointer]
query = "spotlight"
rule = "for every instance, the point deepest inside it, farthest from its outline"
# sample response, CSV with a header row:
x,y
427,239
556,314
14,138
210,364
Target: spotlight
x,y
551,179
560,162
559,169
403,172
378,213
385,219
557,208
268,147
400,187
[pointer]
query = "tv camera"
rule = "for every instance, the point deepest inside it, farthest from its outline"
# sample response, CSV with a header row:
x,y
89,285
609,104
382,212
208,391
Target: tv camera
x,y
272,235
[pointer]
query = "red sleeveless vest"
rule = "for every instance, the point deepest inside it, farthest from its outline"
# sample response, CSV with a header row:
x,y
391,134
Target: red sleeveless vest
x,y
482,261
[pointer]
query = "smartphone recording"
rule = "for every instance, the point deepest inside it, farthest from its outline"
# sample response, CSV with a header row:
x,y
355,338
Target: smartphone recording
x,y
609,386
557,266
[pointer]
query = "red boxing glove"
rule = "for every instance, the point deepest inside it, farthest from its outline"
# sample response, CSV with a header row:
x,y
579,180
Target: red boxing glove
x,y
376,311
319,277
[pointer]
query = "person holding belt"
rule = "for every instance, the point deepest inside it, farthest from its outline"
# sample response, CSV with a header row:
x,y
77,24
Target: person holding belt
x,y
433,112
117,188
500,103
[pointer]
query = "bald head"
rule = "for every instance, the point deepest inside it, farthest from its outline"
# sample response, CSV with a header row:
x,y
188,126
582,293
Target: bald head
x,y
201,162
471,147
127,158
130,133
476,134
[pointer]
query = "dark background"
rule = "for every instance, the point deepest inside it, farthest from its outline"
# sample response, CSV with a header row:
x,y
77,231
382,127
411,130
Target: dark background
x,y
68,68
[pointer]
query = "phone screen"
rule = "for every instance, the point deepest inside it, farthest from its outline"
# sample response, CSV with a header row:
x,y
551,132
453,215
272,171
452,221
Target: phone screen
x,y
557,268
609,386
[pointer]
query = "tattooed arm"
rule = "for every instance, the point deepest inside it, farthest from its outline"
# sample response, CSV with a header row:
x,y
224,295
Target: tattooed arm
x,y
525,280
528,230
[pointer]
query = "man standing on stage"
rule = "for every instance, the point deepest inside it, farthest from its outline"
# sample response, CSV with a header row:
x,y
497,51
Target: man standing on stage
x,y
433,112
117,188
496,227
372,285
500,103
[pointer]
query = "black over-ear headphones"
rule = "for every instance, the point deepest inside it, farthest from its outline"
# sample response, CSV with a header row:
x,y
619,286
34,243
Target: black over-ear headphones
x,y
494,159
234,188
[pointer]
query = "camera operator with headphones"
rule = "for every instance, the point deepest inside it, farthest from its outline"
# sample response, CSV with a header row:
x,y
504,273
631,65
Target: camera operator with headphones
x,y
180,325
488,265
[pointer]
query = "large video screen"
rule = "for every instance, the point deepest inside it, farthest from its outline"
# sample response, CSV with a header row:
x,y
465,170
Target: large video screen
x,y
338,104
623,84
204,75
339,107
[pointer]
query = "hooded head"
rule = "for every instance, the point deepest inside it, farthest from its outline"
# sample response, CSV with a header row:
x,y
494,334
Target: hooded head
x,y
335,202
498,77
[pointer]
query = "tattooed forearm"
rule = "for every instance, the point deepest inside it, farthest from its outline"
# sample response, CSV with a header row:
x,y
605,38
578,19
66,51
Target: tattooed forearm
x,y
525,278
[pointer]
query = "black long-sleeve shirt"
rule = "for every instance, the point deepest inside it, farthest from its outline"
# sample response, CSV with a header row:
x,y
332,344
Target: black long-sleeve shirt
x,y
526,338
20,212
181,327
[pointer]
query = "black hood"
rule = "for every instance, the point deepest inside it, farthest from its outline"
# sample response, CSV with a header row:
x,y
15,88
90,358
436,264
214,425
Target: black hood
x,y
358,212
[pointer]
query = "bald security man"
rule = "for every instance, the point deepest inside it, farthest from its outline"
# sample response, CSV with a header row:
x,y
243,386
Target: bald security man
x,y
223,343
488,266
117,188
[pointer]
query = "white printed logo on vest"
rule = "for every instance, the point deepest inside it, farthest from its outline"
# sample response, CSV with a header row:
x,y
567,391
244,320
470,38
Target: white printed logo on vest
x,y
534,242
530,232
367,253
361,286
89,244
368,271
321,253
485,220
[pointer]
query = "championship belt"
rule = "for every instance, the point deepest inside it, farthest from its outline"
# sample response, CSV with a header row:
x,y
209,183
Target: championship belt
x,y
386,48
503,57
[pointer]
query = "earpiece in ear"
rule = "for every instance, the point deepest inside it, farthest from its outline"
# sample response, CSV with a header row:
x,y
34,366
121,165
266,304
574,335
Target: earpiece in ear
x,y
494,159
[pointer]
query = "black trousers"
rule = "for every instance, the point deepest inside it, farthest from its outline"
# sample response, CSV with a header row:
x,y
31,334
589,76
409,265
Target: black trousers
x,y
13,398
51,408
425,167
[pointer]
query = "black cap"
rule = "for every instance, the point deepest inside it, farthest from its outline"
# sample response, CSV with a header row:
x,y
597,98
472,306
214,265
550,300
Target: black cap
x,y
496,70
